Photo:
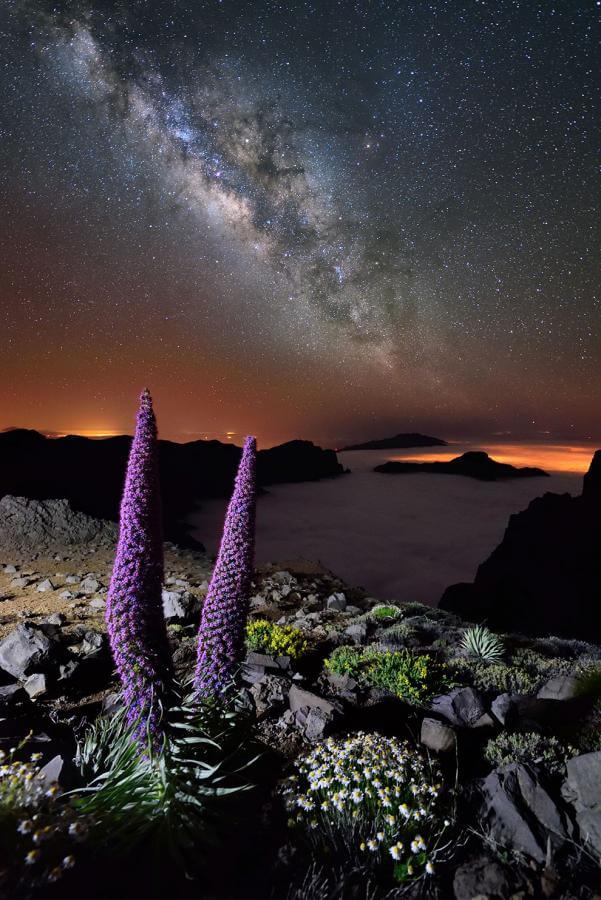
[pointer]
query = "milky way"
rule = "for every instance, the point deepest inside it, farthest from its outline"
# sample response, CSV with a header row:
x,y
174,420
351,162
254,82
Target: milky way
x,y
395,202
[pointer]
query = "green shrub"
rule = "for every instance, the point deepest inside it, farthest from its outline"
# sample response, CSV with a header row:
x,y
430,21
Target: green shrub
x,y
480,642
279,640
370,799
397,633
345,661
542,750
385,611
498,678
414,678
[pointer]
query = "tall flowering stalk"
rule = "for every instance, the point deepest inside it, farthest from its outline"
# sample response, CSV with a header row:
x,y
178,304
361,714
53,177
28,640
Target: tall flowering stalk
x,y
134,611
223,620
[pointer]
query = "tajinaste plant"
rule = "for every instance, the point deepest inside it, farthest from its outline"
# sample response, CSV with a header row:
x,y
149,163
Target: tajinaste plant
x,y
134,611
223,620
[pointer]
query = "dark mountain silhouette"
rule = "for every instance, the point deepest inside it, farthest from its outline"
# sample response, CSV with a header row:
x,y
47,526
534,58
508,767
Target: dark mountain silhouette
x,y
545,575
90,473
411,439
474,464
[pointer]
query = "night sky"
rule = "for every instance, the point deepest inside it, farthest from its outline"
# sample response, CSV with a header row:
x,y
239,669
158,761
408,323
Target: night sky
x,y
324,219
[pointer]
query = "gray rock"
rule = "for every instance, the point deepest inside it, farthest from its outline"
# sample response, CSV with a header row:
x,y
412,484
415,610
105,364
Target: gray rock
x,y
19,582
561,687
343,685
67,670
437,736
56,618
462,707
50,773
357,632
97,603
582,789
24,650
89,585
93,643
179,605
482,877
45,586
336,601
267,693
66,595
500,707
35,685
71,579
43,525
300,699
520,814
10,569
316,724
10,696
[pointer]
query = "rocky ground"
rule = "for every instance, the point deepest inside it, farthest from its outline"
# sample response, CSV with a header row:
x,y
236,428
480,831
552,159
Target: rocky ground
x,y
528,814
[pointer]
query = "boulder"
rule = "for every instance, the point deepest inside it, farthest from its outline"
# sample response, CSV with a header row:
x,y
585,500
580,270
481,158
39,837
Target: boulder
x,y
301,699
268,692
24,650
437,736
560,687
45,586
89,585
461,706
582,789
35,685
500,707
179,605
336,601
482,877
520,814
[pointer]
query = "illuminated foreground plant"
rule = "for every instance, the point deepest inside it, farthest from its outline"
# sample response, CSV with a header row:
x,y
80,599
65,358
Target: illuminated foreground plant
x,y
481,643
279,640
370,797
224,613
179,799
413,678
134,611
40,833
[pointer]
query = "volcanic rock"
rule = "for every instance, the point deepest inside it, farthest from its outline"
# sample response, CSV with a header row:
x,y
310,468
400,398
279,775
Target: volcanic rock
x,y
521,814
24,650
545,575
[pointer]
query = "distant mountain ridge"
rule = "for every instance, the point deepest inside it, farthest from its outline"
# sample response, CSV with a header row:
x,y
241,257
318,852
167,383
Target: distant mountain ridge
x,y
89,473
408,439
473,464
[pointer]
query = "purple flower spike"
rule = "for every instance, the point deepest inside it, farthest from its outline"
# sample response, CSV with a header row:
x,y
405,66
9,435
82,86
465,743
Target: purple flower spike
x,y
223,620
134,610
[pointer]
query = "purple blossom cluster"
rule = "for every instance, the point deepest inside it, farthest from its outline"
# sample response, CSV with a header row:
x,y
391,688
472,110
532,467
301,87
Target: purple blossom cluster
x,y
134,612
225,610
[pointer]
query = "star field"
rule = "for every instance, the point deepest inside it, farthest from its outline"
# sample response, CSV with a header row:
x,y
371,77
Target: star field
x,y
301,218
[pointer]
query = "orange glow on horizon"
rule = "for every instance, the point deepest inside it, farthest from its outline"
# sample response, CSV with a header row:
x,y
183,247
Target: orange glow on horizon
x,y
550,457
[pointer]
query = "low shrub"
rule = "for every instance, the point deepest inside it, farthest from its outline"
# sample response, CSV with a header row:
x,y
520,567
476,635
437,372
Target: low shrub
x,y
414,678
385,611
279,640
479,642
529,747
370,797
499,678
